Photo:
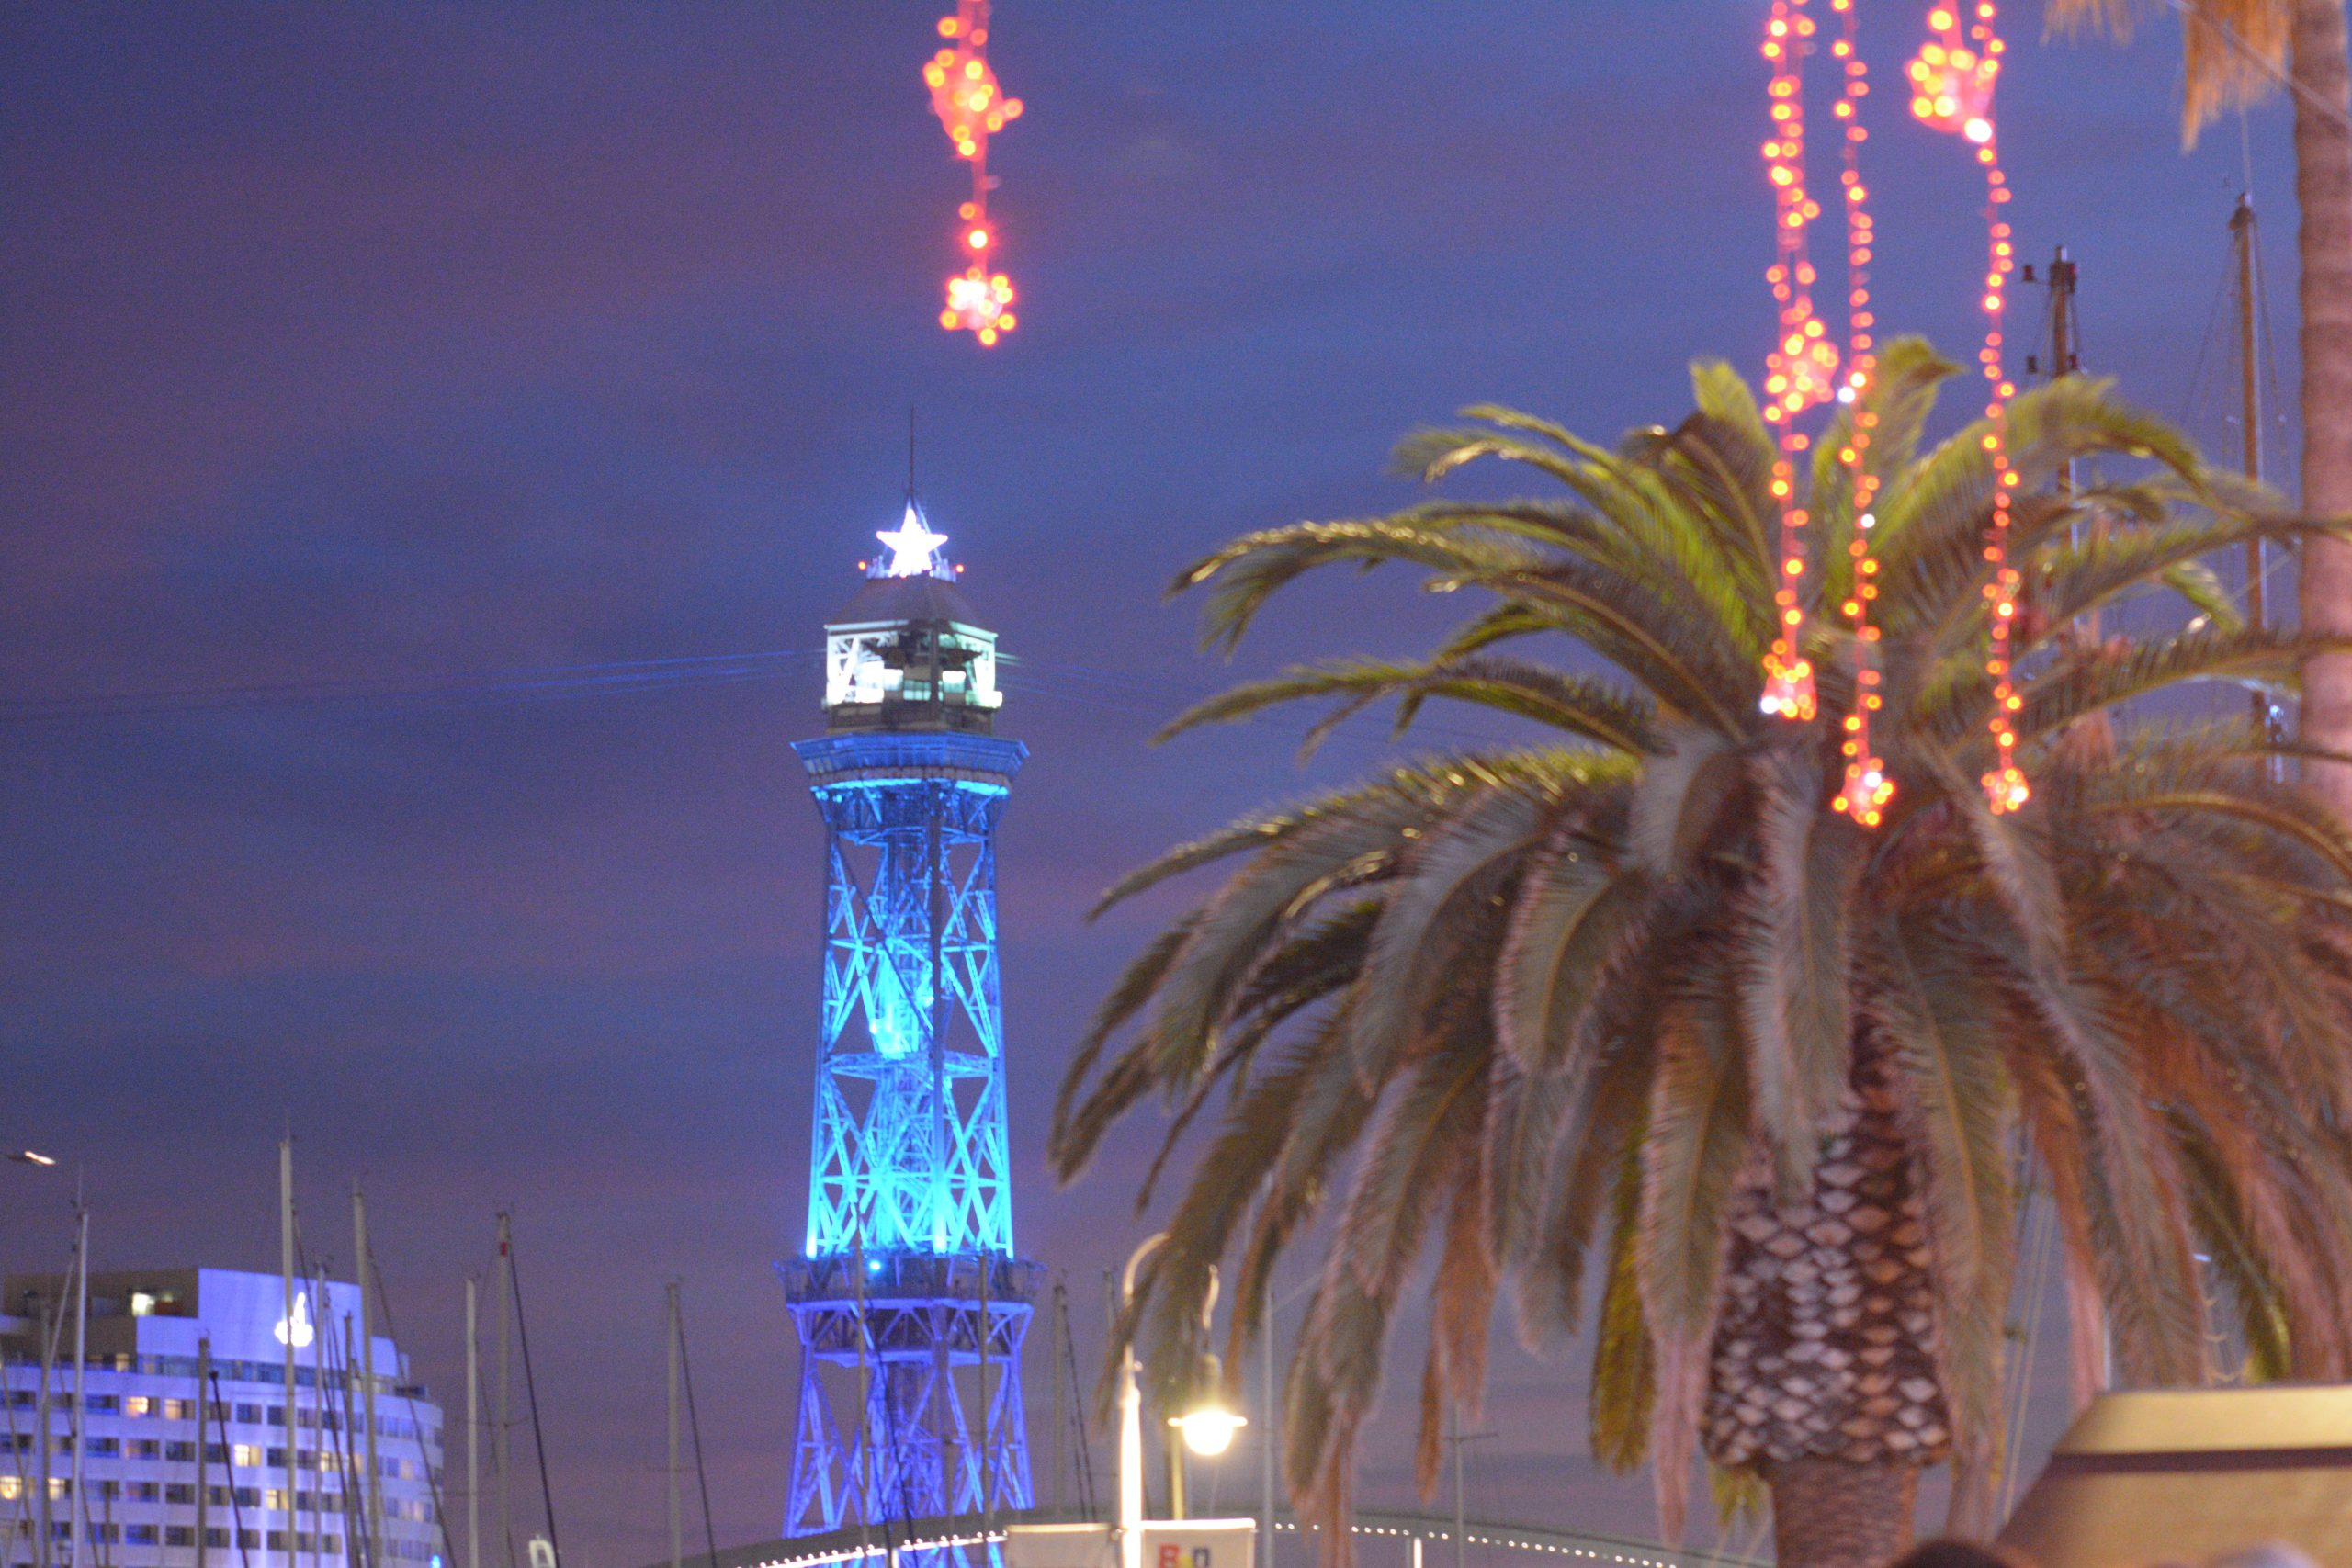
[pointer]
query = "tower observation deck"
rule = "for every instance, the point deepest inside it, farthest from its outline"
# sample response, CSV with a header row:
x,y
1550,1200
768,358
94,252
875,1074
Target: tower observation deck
x,y
910,1304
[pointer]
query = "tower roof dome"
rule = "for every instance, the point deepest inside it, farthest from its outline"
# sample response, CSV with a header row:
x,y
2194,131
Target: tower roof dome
x,y
906,599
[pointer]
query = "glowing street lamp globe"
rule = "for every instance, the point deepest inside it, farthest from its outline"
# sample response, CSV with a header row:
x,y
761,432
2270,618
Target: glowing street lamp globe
x,y
1209,1428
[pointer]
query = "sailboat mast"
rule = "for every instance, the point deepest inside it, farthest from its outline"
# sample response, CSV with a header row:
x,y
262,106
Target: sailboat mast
x,y
79,1511
2250,422
473,1431
375,1495
669,1339
203,1447
285,1324
499,1441
52,1317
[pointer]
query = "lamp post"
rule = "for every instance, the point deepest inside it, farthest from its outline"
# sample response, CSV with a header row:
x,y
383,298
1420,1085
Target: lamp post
x,y
1131,1422
1207,1426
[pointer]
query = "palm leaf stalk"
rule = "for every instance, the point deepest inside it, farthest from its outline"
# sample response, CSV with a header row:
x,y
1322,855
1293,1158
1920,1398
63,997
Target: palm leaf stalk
x,y
1637,1003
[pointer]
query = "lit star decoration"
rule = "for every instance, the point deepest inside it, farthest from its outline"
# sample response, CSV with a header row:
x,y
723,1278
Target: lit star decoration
x,y
1866,788
971,107
1951,89
1800,370
914,549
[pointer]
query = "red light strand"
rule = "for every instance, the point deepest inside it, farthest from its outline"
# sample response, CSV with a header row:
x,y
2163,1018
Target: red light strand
x,y
1866,788
1951,85
971,107
1800,371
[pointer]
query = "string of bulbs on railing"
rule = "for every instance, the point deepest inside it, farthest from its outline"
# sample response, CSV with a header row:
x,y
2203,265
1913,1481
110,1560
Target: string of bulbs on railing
x,y
1952,80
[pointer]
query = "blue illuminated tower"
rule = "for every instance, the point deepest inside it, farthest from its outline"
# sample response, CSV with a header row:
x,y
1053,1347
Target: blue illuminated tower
x,y
910,1304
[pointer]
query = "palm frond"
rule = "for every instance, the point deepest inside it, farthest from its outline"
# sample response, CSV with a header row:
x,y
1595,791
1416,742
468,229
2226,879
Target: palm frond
x,y
1592,710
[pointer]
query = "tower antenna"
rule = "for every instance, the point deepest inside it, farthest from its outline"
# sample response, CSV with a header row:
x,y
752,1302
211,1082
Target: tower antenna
x,y
911,451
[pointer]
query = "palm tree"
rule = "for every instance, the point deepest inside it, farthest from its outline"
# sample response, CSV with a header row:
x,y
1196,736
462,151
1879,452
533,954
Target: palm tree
x,y
1638,1004
2233,53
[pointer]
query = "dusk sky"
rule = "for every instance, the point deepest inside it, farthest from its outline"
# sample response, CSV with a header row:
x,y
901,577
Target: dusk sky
x,y
357,362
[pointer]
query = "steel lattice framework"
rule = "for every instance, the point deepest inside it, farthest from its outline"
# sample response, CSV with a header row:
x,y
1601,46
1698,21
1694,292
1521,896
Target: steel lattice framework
x,y
910,1304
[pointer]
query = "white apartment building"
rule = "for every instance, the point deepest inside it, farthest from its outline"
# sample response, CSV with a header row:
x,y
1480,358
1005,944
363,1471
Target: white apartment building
x,y
162,1487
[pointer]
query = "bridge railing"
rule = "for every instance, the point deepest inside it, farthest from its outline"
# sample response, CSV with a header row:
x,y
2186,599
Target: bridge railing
x,y
1423,1541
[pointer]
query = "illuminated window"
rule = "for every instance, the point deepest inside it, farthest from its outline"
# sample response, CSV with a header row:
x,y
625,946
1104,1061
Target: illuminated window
x,y
137,1405
244,1454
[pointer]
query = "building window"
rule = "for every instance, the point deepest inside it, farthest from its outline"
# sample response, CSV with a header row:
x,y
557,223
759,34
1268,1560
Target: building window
x,y
178,1409
180,1535
139,1535
215,1535
180,1492
249,1414
104,1404
248,1540
143,1448
180,1453
137,1405
246,1455
142,1491
103,1448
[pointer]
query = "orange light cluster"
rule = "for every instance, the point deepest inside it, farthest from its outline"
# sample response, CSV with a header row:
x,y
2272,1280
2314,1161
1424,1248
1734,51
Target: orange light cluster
x,y
971,106
1802,369
1953,79
1951,84
1866,788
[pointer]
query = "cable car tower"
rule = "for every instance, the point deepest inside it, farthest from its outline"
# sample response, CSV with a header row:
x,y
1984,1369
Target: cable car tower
x,y
910,1304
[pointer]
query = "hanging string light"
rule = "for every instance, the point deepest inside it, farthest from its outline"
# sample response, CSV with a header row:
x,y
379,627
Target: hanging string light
x,y
1951,89
971,107
1866,788
1802,369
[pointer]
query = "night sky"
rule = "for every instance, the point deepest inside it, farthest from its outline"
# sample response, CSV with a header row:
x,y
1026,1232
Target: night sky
x,y
355,359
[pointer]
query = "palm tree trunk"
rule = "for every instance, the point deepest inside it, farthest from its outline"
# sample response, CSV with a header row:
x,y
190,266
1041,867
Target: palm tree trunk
x,y
2322,108
1829,1514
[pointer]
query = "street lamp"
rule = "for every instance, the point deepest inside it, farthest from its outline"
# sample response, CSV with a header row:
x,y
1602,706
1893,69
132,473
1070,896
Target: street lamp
x,y
1209,1428
1207,1425
33,1156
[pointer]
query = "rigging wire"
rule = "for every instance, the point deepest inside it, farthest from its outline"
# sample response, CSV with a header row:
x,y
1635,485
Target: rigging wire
x,y
432,1476
2191,11
595,679
1078,684
531,1391
694,1422
236,1509
1085,1457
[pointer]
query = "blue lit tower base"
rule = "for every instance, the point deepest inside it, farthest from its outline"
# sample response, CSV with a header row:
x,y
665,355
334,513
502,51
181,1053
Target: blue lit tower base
x,y
911,1305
